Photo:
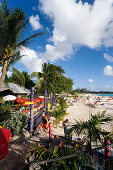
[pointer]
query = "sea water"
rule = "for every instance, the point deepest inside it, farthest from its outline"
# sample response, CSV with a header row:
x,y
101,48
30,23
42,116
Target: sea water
x,y
109,95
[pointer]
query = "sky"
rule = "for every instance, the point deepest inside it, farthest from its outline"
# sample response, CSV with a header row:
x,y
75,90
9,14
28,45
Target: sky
x,y
79,38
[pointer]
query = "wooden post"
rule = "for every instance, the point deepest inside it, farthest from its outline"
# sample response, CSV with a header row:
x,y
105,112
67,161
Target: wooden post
x,y
31,110
50,131
45,95
107,153
51,100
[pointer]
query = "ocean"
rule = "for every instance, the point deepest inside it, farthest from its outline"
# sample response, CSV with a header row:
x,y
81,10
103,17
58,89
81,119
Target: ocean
x,y
109,95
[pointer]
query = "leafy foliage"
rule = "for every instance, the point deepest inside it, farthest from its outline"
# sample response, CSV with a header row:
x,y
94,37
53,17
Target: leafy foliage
x,y
5,108
16,122
28,82
12,24
75,163
22,79
92,128
52,79
60,111
17,77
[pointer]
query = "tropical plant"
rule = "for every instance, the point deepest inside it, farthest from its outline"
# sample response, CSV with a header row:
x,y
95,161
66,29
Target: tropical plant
x,y
5,108
16,122
60,111
28,82
62,103
59,114
1,100
52,79
12,23
76,162
91,128
17,77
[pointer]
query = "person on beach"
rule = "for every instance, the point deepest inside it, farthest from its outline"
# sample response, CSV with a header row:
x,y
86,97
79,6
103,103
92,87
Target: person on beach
x,y
66,125
44,124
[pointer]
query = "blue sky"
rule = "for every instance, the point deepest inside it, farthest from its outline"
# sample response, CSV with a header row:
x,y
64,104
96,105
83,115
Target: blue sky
x,y
79,38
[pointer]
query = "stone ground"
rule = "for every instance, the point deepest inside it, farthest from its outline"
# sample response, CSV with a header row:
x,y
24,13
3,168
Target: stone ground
x,y
18,153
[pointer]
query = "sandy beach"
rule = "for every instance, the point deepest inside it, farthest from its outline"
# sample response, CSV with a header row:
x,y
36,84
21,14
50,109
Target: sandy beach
x,y
83,109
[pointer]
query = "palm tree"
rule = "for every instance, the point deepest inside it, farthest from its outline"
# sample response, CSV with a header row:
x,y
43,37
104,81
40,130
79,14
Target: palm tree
x,y
12,24
92,128
17,77
48,76
60,111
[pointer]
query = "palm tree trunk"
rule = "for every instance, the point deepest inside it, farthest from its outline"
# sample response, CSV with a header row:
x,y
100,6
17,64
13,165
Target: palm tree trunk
x,y
4,72
90,149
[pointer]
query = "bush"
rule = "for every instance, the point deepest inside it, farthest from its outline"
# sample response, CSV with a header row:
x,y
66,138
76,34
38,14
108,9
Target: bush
x,y
77,162
16,122
5,108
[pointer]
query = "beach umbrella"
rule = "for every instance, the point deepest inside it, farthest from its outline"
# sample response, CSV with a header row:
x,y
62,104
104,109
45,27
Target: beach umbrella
x,y
9,97
76,98
41,96
42,99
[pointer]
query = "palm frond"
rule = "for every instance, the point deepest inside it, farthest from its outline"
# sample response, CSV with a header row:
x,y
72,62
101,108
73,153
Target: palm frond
x,y
6,9
1,14
39,82
36,74
26,41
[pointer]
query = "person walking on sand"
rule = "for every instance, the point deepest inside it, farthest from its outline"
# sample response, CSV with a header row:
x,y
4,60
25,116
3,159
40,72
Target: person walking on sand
x,y
44,124
66,125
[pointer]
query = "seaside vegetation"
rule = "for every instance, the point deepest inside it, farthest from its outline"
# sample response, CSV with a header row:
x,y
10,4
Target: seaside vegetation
x,y
92,130
52,78
17,77
85,90
52,152
21,78
16,121
12,24
59,111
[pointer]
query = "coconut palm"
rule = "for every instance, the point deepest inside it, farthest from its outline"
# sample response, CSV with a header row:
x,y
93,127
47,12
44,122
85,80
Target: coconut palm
x,y
48,76
12,23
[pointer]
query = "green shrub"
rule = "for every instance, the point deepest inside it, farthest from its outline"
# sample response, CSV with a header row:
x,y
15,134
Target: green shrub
x,y
76,162
16,122
5,108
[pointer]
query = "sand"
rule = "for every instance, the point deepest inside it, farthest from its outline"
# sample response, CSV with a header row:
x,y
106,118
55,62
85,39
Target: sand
x,y
83,109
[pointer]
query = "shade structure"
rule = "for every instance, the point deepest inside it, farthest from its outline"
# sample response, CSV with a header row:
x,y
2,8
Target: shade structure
x,y
23,101
9,97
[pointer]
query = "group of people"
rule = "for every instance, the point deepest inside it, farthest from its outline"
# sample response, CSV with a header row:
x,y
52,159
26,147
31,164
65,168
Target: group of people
x,y
45,124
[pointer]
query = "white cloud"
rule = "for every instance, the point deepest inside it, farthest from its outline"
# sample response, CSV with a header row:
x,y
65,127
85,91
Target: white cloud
x,y
107,86
108,71
90,81
34,21
108,57
31,60
76,24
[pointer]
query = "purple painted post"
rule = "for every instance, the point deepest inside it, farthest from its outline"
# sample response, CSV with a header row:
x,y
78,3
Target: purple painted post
x,y
45,95
50,131
31,110
51,100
